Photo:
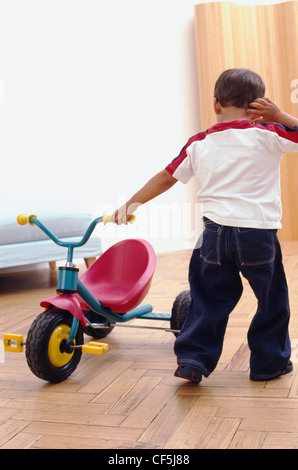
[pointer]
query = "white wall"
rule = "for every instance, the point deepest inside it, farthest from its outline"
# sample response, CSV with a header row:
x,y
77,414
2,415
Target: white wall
x,y
95,97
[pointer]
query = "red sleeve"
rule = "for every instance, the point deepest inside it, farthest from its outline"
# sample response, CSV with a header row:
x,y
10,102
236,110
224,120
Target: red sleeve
x,y
181,168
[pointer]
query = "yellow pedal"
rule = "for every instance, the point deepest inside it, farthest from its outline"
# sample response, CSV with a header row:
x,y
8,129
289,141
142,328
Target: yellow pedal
x,y
95,348
13,343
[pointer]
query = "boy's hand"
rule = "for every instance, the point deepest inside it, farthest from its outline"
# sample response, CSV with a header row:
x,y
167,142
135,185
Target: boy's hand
x,y
120,216
123,214
264,110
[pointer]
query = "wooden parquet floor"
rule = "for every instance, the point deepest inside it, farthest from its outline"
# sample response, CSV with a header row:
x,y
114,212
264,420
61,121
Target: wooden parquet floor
x,y
128,398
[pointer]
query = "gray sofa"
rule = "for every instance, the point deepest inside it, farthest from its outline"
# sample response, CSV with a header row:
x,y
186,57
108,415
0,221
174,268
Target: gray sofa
x,y
27,244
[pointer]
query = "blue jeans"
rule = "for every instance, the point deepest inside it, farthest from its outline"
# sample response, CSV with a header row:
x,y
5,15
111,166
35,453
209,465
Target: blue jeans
x,y
216,287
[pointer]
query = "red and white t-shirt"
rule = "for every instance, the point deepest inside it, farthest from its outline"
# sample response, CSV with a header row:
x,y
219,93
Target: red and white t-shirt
x,y
237,166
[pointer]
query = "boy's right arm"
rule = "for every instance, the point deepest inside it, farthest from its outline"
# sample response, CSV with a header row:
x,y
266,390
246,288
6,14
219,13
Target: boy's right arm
x,y
267,111
157,185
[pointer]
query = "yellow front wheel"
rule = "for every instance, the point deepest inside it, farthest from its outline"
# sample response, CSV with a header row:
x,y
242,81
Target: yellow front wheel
x,y
58,356
48,354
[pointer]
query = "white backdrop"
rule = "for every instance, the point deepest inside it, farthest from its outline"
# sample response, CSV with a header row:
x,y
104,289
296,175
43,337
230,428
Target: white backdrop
x,y
96,96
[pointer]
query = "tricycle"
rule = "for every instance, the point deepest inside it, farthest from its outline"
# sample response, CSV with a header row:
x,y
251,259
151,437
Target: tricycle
x,y
108,294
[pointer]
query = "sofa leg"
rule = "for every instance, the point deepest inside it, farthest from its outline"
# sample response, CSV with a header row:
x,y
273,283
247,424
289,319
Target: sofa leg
x,y
89,261
52,265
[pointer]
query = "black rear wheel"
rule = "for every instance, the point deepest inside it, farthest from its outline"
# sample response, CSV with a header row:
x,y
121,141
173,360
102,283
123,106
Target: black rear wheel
x,y
47,352
180,310
94,317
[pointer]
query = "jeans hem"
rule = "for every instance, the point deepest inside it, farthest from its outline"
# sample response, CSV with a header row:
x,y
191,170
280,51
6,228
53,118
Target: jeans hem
x,y
264,377
197,365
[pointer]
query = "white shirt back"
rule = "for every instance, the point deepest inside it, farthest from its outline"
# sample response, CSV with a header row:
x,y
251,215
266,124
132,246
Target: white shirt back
x,y
237,167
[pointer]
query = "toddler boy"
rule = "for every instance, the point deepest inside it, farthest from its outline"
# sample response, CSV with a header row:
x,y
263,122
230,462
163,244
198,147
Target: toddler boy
x,y
237,166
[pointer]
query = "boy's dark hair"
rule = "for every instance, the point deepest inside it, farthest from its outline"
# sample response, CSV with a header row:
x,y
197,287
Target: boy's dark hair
x,y
238,87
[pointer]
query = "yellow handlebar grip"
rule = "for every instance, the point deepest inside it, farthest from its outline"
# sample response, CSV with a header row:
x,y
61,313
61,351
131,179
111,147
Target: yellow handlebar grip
x,y
131,218
22,219
29,217
108,218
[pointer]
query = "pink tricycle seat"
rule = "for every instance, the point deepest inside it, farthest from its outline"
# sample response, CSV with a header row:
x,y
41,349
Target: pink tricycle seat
x,y
120,278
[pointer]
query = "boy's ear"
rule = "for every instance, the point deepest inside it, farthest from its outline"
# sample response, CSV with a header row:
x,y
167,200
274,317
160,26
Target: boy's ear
x,y
217,106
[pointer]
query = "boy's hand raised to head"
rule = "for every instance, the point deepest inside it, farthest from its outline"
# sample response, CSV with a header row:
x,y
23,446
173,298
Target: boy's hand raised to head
x,y
265,110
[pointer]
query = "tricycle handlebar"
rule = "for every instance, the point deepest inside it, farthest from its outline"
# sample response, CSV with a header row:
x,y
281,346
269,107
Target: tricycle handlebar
x,y
24,219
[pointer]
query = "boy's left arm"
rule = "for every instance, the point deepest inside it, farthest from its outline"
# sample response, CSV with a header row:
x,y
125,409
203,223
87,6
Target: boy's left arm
x,y
266,110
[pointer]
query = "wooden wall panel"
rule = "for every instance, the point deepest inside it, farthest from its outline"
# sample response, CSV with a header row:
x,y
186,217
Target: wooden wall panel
x,y
263,38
